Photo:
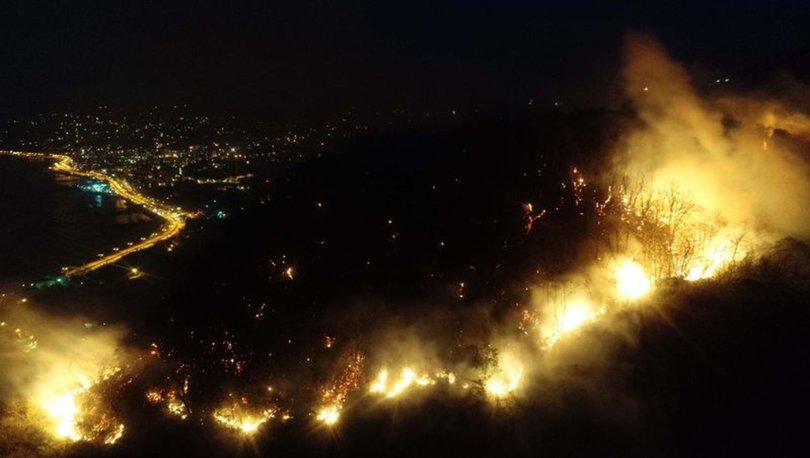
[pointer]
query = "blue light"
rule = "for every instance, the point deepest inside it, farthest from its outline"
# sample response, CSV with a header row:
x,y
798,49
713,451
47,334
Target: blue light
x,y
97,187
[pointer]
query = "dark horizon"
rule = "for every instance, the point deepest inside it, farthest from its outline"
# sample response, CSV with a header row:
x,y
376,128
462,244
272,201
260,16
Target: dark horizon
x,y
318,59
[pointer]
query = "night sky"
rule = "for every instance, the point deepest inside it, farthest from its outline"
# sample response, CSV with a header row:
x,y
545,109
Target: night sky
x,y
309,58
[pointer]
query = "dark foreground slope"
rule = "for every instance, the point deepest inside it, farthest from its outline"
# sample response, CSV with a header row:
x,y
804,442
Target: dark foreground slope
x,y
718,369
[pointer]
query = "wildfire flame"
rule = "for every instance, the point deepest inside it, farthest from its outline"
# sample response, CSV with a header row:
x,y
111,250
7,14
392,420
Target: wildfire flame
x,y
393,387
78,413
565,317
632,281
241,417
505,379
334,396
720,253
67,374
329,414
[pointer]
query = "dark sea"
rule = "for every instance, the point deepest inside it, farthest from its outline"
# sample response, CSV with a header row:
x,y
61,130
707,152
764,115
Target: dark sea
x,y
47,221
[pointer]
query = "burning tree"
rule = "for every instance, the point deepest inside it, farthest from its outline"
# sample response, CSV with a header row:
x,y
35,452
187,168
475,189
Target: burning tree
x,y
672,236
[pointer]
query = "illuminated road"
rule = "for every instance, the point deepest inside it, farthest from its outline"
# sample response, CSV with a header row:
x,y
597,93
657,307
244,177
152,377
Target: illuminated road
x,y
175,218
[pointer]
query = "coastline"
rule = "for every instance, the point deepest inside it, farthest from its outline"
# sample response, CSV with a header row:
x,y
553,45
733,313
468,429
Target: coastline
x,y
174,218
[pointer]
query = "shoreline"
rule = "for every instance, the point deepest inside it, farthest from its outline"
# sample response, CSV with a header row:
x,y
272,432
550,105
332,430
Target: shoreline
x,y
174,217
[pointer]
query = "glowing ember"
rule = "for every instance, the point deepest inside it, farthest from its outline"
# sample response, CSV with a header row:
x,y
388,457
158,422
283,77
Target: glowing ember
x,y
244,423
117,434
530,216
154,397
172,401
631,280
527,319
335,395
177,408
451,377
